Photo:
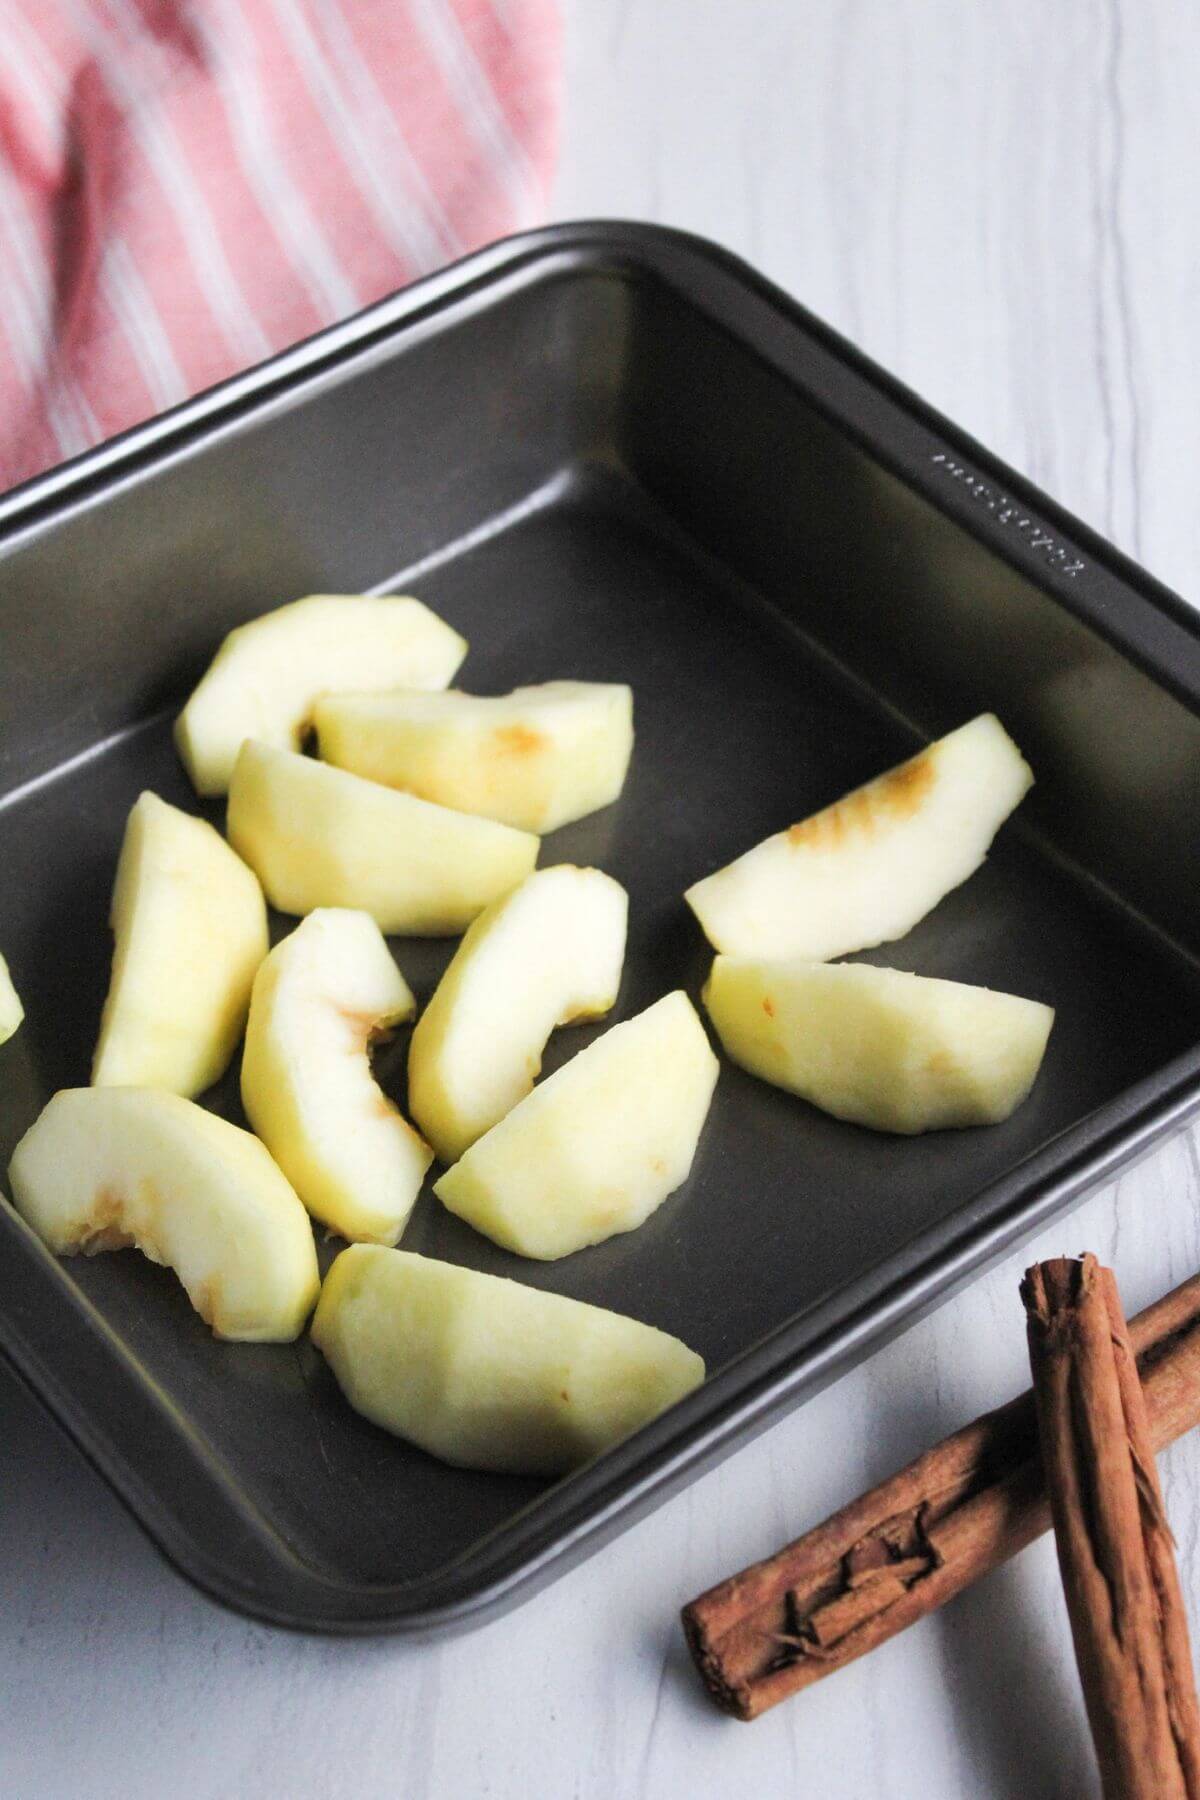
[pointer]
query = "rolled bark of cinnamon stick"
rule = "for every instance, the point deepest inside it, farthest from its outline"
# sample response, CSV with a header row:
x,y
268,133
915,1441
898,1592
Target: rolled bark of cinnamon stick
x,y
918,1539
1115,1549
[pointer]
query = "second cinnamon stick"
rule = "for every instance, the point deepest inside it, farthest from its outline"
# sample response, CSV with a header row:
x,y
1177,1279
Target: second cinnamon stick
x,y
1114,1545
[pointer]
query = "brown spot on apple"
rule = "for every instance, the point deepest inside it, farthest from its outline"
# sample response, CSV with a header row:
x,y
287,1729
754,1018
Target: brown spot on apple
x,y
563,1395
104,1229
362,1025
940,1062
107,1208
111,1237
366,1031
517,740
658,1165
768,1006
896,795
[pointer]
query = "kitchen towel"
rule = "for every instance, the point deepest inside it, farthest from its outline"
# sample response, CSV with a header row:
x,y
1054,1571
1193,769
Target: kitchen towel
x,y
187,186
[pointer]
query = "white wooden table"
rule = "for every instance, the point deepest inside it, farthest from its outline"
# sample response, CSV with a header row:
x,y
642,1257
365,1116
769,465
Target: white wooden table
x,y
1001,205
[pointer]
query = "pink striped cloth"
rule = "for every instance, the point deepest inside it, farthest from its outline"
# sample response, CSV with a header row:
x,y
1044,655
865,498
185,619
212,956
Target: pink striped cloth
x,y
187,186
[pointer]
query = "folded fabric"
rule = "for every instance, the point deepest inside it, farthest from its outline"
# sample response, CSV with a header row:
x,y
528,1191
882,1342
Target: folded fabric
x,y
187,186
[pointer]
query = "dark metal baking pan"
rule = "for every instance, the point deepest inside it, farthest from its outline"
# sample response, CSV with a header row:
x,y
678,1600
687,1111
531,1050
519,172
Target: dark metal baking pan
x,y
611,452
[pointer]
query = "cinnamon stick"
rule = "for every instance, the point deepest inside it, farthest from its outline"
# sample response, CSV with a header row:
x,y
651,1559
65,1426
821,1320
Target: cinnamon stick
x,y
918,1539
1115,1549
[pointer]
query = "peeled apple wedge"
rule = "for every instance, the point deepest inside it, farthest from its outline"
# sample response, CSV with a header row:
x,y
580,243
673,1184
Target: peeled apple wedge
x,y
11,1010
485,1373
879,1047
549,953
190,925
109,1168
320,999
864,871
317,836
265,677
598,1145
536,758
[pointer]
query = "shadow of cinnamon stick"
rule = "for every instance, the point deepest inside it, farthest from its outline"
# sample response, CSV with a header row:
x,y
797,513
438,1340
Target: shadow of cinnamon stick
x,y
1010,1678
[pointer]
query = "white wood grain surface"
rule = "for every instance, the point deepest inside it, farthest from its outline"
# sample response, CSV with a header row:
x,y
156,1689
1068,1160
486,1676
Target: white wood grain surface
x,y
1000,203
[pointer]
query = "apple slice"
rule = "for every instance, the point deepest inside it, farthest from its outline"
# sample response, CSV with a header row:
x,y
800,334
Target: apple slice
x,y
882,1048
320,999
550,953
485,1373
865,870
599,1145
319,837
265,677
11,1010
107,1168
190,925
536,758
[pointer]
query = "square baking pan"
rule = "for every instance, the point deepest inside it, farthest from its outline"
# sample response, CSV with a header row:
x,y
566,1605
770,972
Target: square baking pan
x,y
611,452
